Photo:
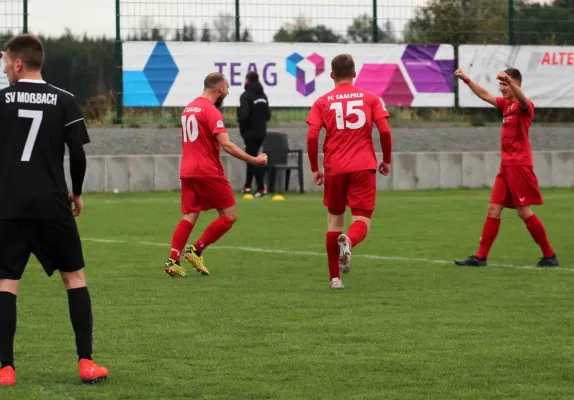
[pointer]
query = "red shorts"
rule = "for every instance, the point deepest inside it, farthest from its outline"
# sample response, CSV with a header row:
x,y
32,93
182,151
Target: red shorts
x,y
356,190
516,186
202,194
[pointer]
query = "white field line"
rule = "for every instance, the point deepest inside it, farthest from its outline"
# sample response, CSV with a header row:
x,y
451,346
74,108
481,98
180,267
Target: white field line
x,y
293,197
317,254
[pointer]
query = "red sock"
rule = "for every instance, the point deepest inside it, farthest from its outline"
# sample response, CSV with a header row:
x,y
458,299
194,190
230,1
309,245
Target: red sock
x,y
213,232
333,254
538,233
180,237
489,233
357,232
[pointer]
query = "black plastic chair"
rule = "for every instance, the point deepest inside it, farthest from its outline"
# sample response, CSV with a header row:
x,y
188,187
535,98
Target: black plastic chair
x,y
276,146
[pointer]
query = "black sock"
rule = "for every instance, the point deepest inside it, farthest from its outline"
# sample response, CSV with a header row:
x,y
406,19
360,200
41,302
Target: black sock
x,y
81,317
7,328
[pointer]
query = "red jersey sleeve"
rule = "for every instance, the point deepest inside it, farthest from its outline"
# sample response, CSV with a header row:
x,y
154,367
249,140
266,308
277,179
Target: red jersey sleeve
x,y
379,110
501,103
529,110
315,116
215,121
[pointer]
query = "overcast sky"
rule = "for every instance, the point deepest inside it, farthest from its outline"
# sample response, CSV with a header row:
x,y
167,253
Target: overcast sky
x,y
262,17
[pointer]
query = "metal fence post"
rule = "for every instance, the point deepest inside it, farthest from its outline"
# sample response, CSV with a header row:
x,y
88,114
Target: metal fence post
x,y
510,22
25,16
375,25
237,22
119,67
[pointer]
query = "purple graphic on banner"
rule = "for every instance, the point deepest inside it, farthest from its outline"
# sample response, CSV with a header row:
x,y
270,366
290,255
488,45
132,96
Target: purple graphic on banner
x,y
305,71
427,74
387,82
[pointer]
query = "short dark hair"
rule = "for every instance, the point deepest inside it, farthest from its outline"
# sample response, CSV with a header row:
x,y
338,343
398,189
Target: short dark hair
x,y
252,76
27,48
213,80
514,74
343,66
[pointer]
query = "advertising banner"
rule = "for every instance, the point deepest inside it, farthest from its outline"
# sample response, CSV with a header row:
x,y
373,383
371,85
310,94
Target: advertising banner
x,y
171,74
547,72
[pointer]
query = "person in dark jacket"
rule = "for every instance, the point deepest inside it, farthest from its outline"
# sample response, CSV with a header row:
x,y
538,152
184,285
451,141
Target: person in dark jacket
x,y
253,114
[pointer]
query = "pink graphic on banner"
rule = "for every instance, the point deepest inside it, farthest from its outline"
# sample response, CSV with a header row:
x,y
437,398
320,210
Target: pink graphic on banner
x,y
387,82
427,74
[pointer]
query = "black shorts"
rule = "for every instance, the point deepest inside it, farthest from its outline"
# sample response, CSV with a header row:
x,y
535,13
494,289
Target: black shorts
x,y
55,243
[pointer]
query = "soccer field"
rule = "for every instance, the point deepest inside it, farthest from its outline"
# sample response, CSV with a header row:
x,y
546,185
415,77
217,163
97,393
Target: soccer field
x,y
265,325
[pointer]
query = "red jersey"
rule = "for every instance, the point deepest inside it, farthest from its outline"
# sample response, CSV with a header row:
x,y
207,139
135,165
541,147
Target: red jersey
x,y
348,114
516,148
200,122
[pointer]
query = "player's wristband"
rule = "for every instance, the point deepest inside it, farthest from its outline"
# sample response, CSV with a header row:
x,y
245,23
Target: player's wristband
x,y
466,80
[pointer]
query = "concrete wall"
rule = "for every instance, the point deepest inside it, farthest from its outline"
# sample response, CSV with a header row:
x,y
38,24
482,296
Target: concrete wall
x,y
410,171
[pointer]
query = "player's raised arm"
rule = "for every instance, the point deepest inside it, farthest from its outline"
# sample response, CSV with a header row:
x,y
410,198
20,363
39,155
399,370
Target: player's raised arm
x,y
478,90
232,149
315,122
516,90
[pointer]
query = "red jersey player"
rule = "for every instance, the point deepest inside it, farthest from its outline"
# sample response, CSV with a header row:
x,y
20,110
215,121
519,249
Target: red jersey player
x,y
516,185
203,182
347,113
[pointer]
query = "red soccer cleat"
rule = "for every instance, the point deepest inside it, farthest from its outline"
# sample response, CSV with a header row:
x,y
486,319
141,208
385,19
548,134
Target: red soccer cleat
x,y
7,376
90,372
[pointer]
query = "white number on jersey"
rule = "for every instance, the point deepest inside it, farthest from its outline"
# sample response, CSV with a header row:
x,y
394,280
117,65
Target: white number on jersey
x,y
36,117
189,128
340,117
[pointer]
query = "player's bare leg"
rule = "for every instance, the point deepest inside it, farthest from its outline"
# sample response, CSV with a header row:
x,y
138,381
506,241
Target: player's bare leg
x,y
80,306
357,233
8,293
538,233
212,234
489,233
336,225
180,237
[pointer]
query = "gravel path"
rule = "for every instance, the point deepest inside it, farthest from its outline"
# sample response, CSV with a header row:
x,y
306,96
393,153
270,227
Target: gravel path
x,y
118,141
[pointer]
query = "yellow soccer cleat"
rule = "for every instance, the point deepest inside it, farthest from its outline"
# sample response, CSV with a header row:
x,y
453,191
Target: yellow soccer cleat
x,y
173,269
192,256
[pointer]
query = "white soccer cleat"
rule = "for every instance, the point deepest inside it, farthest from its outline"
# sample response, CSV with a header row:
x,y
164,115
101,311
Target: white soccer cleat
x,y
344,253
336,283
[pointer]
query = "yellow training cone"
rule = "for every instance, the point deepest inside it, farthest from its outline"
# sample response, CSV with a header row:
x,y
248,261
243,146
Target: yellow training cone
x,y
248,197
278,197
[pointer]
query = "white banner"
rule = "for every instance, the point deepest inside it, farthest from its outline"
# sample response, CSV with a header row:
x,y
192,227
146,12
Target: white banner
x,y
547,72
171,74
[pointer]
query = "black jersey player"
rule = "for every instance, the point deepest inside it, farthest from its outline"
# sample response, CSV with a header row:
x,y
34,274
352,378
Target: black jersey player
x,y
37,122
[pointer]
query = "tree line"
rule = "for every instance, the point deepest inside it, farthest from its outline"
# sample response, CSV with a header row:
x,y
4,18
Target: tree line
x,y
86,66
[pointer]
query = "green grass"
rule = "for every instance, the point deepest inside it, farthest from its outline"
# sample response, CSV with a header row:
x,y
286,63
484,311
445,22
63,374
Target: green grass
x,y
267,326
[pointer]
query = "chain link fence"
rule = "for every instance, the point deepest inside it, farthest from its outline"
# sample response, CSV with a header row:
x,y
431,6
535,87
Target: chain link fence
x,y
454,22
13,20
13,17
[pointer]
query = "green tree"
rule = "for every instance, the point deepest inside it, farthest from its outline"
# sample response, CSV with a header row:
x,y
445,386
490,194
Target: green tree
x,y
224,27
302,31
246,36
458,22
545,24
187,34
205,34
361,31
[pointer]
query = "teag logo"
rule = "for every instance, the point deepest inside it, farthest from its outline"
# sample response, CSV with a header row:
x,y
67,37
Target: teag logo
x,y
305,71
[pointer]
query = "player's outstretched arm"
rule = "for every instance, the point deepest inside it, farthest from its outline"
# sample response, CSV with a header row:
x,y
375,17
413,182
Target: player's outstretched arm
x,y
518,93
386,145
481,92
232,149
